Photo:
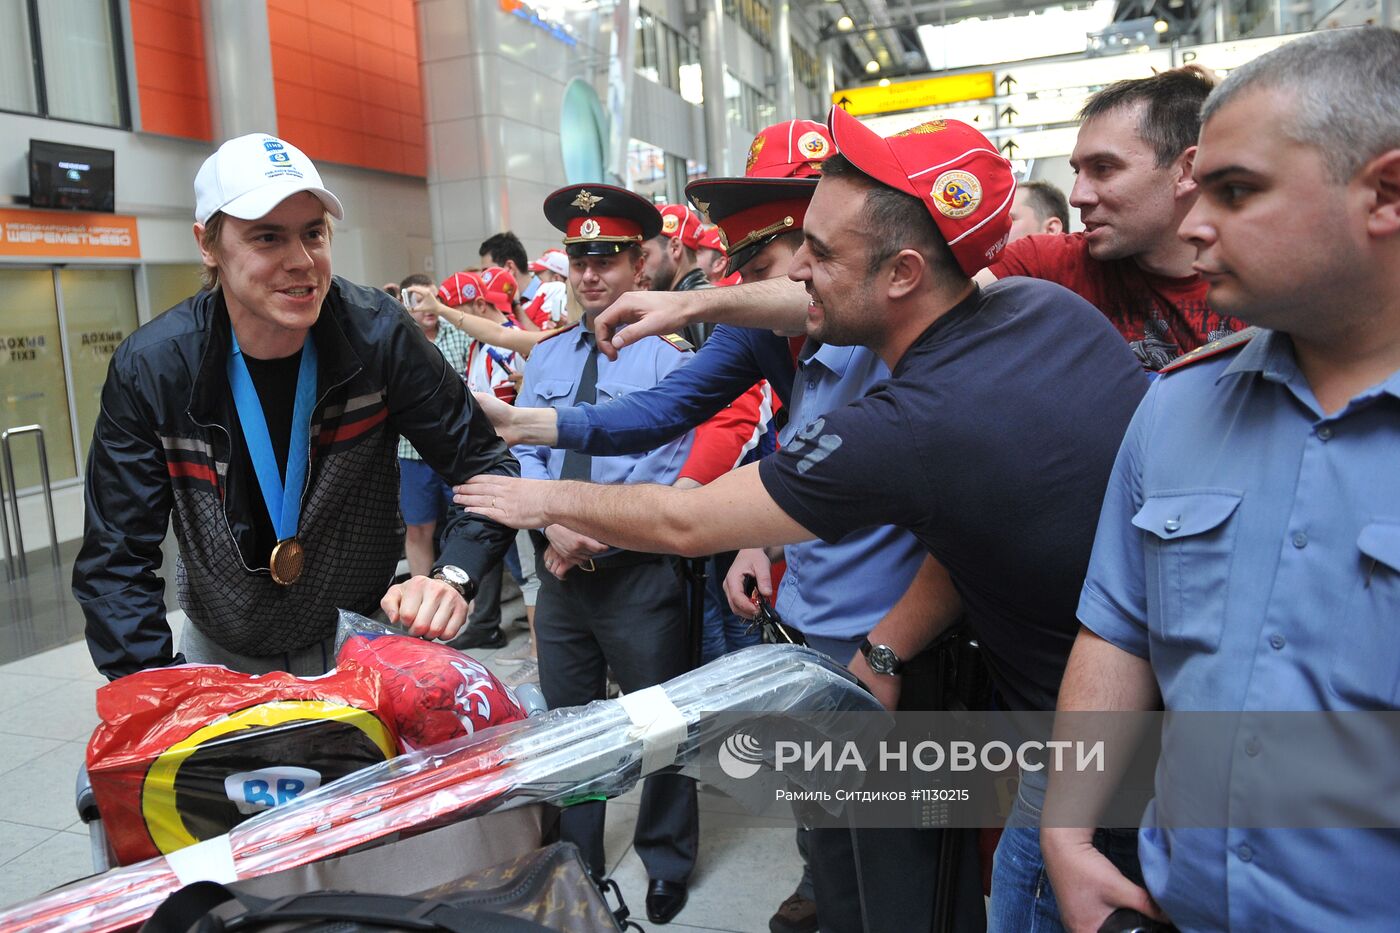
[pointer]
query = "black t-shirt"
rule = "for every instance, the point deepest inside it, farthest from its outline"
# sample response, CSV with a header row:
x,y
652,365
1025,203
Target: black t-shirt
x,y
276,382
992,443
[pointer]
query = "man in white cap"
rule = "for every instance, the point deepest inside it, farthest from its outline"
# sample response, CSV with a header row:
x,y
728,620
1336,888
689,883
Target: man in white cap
x,y
265,412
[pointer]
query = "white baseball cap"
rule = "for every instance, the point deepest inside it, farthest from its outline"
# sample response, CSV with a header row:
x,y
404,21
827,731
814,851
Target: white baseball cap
x,y
554,261
252,174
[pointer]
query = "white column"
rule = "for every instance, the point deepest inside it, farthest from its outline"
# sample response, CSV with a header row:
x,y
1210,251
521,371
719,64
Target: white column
x,y
238,63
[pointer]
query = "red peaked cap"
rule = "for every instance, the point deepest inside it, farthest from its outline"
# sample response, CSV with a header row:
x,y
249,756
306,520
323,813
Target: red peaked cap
x,y
959,176
459,288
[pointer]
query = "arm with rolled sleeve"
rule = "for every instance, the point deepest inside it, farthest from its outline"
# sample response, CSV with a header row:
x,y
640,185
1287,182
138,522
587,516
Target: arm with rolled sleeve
x,y
1113,603
724,368
429,405
127,503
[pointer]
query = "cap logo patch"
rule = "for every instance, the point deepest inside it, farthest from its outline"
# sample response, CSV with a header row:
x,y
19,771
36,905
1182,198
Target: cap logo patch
x,y
272,145
586,202
813,145
932,126
669,223
956,193
469,292
754,149
590,229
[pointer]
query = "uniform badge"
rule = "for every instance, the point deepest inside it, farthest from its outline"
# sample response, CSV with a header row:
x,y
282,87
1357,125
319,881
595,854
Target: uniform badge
x,y
586,201
956,193
590,229
669,223
812,145
704,208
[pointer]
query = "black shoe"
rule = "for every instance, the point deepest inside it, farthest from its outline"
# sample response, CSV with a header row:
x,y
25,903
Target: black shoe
x,y
795,915
665,899
469,638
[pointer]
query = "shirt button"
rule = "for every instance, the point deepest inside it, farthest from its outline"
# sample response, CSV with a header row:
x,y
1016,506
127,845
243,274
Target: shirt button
x,y
1252,747
1276,642
1245,853
1324,433
1172,525
811,383
1300,540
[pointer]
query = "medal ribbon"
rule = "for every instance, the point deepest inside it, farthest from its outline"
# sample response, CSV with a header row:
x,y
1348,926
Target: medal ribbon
x,y
283,501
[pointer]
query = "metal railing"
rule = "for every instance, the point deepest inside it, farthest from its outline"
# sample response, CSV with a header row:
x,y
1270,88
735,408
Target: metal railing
x,y
16,557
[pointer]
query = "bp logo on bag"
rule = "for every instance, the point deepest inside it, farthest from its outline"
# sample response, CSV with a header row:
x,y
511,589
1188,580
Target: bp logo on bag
x,y
256,791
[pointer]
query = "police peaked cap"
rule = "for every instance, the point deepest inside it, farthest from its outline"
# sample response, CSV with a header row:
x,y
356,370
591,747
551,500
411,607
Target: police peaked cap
x,y
751,211
601,220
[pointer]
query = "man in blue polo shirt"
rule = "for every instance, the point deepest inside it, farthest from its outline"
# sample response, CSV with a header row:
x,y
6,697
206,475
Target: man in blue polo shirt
x,y
1248,555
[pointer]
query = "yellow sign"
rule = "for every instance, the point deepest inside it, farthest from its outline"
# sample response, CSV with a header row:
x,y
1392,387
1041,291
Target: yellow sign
x,y
911,95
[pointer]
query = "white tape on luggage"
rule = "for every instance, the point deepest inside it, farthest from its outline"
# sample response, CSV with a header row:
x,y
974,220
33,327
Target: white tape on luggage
x,y
657,723
210,860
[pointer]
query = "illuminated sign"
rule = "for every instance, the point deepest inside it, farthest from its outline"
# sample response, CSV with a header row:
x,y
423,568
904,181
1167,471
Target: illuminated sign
x,y
911,95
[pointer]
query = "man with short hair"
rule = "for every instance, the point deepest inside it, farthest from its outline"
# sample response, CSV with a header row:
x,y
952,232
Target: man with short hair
x,y
1247,558
1039,207
1133,186
264,412
504,250
1006,403
600,606
423,495
669,263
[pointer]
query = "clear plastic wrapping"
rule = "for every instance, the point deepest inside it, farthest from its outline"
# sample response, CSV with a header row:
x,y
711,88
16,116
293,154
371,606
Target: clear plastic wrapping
x,y
561,756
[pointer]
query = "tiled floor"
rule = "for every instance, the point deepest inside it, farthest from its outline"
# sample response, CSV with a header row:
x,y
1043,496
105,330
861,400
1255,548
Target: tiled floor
x,y
46,715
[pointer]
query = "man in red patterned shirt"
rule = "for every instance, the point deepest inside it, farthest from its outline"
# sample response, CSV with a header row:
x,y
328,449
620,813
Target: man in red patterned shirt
x,y
1133,187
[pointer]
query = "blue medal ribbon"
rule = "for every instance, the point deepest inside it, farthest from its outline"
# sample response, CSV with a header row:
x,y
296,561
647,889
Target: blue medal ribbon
x,y
283,500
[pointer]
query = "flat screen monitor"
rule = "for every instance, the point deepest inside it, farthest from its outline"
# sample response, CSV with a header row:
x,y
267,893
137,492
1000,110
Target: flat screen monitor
x,y
68,177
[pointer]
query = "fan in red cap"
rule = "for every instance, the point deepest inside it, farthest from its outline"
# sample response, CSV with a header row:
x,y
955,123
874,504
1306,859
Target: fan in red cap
x,y
500,289
791,149
959,176
713,258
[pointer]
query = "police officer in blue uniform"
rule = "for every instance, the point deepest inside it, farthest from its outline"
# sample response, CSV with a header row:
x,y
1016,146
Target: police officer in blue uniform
x,y
600,607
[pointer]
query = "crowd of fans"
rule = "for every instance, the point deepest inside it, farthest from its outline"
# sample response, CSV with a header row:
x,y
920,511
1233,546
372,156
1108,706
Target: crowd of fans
x,y
879,385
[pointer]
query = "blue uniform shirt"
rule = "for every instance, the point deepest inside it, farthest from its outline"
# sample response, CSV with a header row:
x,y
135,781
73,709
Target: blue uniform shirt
x,y
841,590
551,379
1249,546
729,363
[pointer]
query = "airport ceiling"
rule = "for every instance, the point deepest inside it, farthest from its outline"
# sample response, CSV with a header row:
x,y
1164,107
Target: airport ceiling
x,y
884,31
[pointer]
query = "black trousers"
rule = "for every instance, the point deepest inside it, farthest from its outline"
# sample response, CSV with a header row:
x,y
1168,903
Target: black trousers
x,y
633,619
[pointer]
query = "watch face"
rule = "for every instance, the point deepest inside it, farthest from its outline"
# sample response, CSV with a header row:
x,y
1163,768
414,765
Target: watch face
x,y
882,659
455,575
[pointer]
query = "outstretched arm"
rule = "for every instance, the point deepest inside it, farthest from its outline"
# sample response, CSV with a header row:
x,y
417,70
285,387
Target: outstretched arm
x,y
775,304
478,328
735,511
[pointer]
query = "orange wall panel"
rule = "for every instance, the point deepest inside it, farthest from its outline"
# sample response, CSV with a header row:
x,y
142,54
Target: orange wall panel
x,y
168,44
344,91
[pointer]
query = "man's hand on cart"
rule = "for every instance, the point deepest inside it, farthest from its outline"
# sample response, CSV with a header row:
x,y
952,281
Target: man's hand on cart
x,y
426,607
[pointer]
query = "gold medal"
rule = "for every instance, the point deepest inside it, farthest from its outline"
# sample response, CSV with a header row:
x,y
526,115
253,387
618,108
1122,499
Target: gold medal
x,y
287,560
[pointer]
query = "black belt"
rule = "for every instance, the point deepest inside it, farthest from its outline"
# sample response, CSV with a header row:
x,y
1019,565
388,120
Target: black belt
x,y
619,560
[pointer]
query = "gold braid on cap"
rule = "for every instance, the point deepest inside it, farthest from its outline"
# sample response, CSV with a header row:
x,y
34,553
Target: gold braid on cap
x,y
756,235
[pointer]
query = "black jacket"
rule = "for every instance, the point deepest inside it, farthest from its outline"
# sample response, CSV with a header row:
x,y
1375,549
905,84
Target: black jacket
x,y
164,441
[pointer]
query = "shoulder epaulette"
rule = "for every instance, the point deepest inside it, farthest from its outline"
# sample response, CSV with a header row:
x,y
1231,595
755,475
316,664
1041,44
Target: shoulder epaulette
x,y
1214,348
562,330
677,341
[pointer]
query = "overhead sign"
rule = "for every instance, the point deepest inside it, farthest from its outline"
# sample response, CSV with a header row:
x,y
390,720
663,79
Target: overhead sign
x,y
979,115
911,95
66,233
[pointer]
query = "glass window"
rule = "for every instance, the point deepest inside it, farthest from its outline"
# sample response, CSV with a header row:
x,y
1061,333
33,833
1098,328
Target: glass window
x,y
77,72
646,170
32,389
167,286
17,91
99,312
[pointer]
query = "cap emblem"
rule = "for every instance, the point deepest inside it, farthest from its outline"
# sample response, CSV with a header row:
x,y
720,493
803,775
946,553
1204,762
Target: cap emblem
x,y
469,292
590,228
586,202
932,126
956,193
754,149
812,145
669,223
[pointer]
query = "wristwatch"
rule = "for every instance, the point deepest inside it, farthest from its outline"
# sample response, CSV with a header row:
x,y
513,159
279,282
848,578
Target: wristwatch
x,y
881,658
458,579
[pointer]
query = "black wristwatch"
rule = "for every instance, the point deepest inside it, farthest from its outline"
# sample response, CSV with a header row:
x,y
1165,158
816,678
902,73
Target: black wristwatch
x,y
881,658
458,579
